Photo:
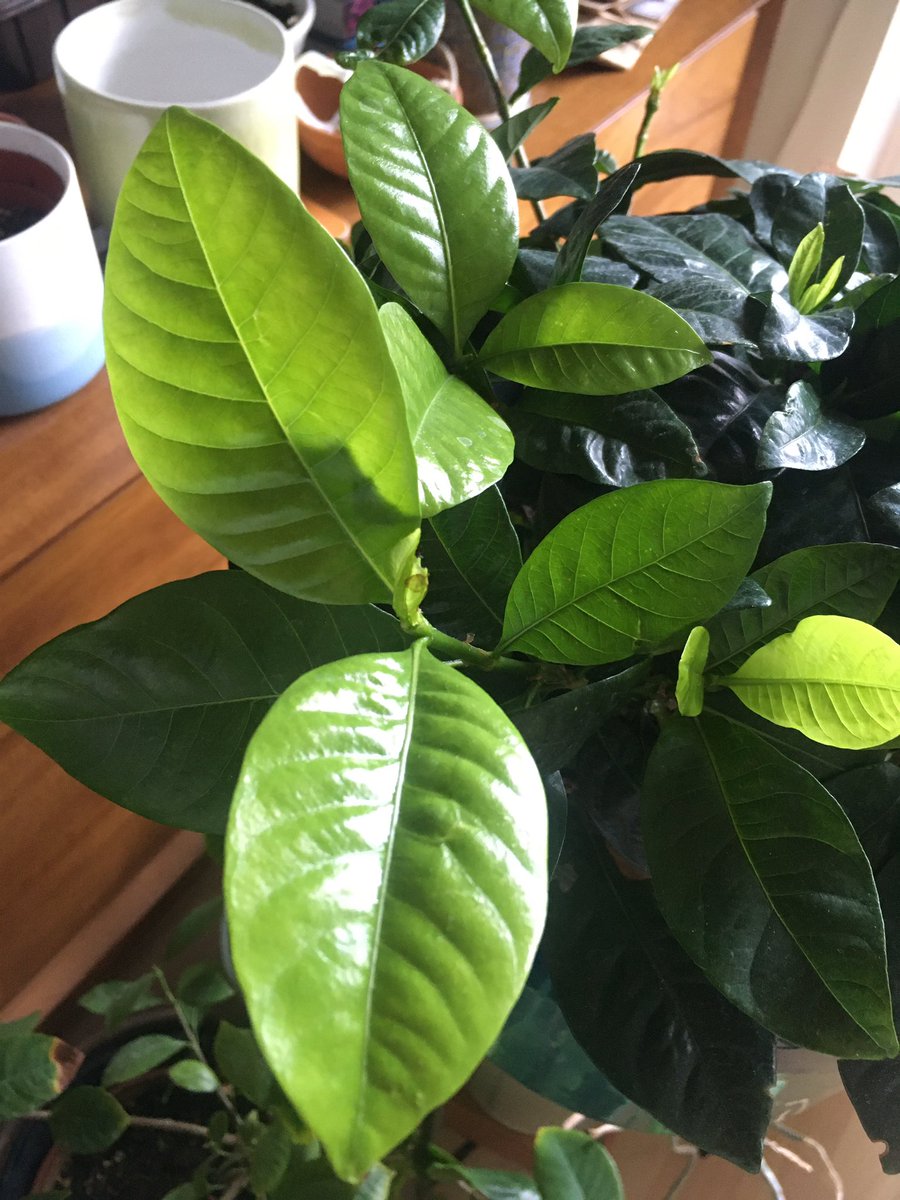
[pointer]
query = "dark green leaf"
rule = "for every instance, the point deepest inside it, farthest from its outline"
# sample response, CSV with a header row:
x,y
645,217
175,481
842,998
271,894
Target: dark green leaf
x,y
571,1165
853,579
401,31
201,919
715,251
569,171
608,776
313,1179
487,1182
885,505
730,826
786,334
20,1027
590,42
115,1000
650,1021
820,199
269,1158
767,195
203,985
662,165
536,269
153,705
570,261
556,729
616,440
548,24
880,310
881,240
870,796
142,1055
193,1076
29,1073
416,158
240,1061
87,1120
874,1087
509,135
800,498
250,373
434,868
710,310
472,555
625,572
804,437
750,594
592,338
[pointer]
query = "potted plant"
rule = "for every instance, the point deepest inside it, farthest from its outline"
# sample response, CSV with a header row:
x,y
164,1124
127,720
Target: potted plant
x,y
174,1101
559,557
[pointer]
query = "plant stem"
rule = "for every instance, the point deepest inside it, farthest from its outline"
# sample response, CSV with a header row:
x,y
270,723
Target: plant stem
x,y
490,69
194,1042
659,81
682,1178
464,652
169,1124
235,1188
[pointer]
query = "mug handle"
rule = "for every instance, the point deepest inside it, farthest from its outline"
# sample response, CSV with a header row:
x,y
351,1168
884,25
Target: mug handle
x,y
298,32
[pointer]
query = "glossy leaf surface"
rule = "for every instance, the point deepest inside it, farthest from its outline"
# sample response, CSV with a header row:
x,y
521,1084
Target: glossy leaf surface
x,y
571,1165
625,572
460,443
153,705
851,579
824,199
651,1022
616,440
730,827
569,266
250,373
472,555
592,339
415,157
787,334
804,437
548,24
689,688
835,679
509,135
388,835
402,31
589,42
569,171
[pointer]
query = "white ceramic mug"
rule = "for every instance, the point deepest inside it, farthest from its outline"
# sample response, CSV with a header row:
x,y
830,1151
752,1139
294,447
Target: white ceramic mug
x,y
51,289
121,65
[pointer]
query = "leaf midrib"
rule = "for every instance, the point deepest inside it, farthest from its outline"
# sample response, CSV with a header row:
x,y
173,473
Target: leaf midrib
x,y
310,475
576,600
719,268
720,783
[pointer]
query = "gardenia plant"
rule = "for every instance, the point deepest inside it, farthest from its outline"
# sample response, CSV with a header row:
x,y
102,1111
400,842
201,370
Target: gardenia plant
x,y
588,533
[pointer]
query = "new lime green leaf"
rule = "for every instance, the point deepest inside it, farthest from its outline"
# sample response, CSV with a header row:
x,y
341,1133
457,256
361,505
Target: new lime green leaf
x,y
571,1165
761,877
834,679
87,1120
386,886
627,571
434,191
817,293
250,372
691,665
548,24
460,443
594,339
805,263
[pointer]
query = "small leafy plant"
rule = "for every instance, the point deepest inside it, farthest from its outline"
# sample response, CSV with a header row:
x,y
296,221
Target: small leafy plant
x,y
558,554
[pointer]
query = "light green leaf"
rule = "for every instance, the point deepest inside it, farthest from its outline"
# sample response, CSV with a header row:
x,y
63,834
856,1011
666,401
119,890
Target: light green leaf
x,y
593,339
250,373
760,875
141,1055
817,293
849,579
434,192
630,569
834,679
691,665
29,1073
548,24
87,1120
387,850
571,1165
460,443
805,263
193,1076
153,705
